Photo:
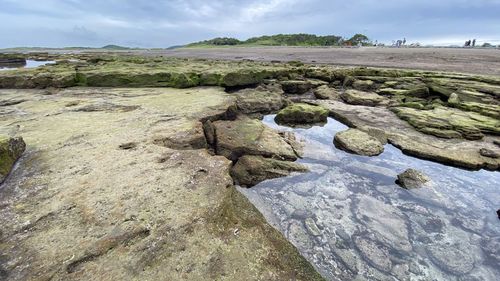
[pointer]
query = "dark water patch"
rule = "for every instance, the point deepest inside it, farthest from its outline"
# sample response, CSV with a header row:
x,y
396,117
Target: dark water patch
x,y
349,218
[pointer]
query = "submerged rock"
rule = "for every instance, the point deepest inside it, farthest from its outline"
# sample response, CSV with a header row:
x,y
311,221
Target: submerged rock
x,y
358,142
361,98
412,178
301,113
250,169
10,150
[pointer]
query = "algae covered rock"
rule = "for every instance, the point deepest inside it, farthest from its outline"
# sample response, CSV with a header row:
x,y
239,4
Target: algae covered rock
x,y
299,87
250,169
247,136
358,142
10,150
259,100
363,85
356,97
324,92
301,113
412,178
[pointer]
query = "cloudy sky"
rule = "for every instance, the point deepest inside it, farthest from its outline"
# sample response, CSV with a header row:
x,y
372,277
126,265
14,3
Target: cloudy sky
x,y
163,23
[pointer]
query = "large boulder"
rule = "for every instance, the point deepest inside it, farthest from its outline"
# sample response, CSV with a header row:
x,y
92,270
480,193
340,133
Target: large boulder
x,y
10,150
246,136
361,98
301,113
250,169
263,99
412,178
358,142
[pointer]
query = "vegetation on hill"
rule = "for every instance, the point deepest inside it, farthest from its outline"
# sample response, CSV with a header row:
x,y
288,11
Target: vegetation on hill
x,y
287,40
115,47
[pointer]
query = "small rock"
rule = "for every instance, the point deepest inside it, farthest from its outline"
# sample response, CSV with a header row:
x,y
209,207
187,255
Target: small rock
x,y
358,142
453,99
128,145
488,153
312,227
363,85
412,178
498,213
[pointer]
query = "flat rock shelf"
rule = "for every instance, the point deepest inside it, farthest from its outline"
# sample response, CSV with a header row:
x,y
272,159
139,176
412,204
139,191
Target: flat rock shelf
x,y
350,219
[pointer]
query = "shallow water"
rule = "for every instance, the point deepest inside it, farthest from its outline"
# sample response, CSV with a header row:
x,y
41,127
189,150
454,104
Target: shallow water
x,y
29,64
352,222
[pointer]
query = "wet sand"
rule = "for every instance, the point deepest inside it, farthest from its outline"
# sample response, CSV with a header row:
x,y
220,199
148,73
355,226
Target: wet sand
x,y
476,61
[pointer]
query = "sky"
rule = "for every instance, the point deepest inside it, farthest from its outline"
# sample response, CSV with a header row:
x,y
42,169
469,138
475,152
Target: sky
x,y
164,23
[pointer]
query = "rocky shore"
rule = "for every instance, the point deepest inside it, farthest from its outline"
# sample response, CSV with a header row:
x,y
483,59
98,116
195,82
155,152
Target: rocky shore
x,y
131,162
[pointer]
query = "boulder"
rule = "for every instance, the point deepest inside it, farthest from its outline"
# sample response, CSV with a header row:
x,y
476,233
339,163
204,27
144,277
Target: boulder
x,y
259,100
10,150
412,178
358,142
246,136
324,93
299,87
363,85
361,98
251,169
301,113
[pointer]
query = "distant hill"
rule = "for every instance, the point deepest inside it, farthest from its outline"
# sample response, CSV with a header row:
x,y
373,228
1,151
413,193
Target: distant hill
x,y
286,40
114,47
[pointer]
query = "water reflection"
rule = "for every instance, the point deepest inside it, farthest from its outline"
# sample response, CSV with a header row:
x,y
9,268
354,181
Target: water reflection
x,y
349,218
29,64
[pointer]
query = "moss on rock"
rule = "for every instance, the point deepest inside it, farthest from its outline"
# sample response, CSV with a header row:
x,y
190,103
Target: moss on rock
x,y
301,113
10,150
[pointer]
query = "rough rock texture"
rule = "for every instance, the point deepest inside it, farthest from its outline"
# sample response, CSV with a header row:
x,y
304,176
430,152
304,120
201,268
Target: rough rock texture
x,y
301,113
263,99
447,122
246,136
456,152
82,208
412,178
299,87
250,170
361,98
325,92
489,153
358,142
10,150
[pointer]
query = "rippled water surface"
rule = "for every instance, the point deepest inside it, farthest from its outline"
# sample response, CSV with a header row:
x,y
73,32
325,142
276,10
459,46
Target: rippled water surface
x,y
29,64
349,218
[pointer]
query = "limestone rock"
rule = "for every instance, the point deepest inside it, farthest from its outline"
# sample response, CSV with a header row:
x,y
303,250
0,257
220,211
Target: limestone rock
x,y
363,85
358,142
250,169
299,87
324,92
361,98
247,136
301,113
10,150
259,100
412,178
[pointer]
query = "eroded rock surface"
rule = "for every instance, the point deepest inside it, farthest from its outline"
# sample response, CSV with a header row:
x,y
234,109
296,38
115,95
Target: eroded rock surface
x,y
358,142
412,178
250,169
85,204
301,113
10,150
